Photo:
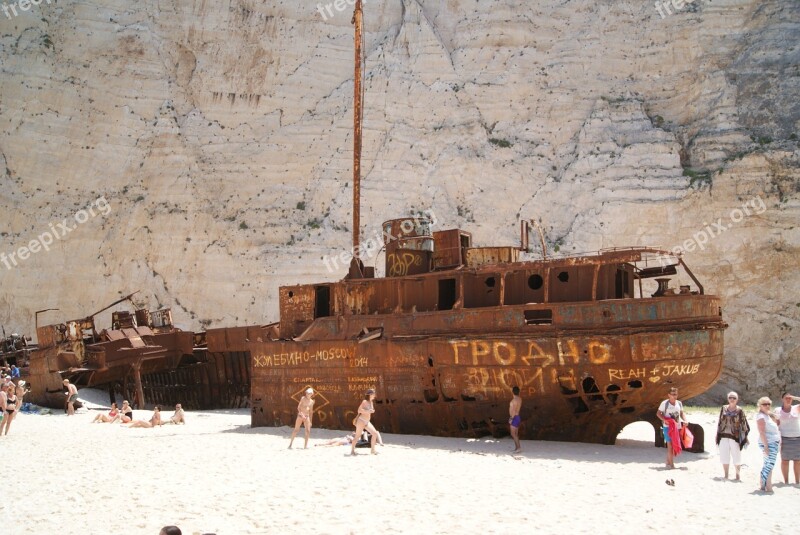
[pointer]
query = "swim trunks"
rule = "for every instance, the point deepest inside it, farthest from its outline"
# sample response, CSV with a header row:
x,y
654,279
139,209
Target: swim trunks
x,y
516,421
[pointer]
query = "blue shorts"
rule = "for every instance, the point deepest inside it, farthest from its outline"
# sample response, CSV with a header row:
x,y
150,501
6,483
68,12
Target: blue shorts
x,y
665,431
515,421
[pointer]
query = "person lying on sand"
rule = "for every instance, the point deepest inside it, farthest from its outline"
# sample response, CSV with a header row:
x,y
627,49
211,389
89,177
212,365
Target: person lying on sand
x,y
154,421
341,441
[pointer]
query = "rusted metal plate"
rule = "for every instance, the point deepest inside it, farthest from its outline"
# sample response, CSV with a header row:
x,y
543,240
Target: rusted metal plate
x,y
449,248
487,256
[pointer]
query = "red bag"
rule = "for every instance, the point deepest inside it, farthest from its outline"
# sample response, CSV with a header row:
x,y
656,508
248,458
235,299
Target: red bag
x,y
687,438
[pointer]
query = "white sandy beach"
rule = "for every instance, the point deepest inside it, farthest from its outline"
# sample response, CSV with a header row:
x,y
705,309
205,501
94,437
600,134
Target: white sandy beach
x,y
217,475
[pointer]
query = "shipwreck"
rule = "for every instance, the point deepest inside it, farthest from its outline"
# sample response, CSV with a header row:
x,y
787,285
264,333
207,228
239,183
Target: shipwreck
x,y
593,341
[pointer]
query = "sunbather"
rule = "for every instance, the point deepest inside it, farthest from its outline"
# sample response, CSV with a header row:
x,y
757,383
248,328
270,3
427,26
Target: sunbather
x,y
154,421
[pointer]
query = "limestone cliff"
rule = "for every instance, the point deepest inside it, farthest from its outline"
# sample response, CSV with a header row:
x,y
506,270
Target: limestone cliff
x,y
219,133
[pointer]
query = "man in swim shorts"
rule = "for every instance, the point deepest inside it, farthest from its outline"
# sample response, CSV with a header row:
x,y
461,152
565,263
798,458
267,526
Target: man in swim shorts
x,y
513,418
72,397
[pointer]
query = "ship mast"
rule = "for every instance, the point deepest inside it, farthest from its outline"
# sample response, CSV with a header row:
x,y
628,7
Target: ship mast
x,y
356,266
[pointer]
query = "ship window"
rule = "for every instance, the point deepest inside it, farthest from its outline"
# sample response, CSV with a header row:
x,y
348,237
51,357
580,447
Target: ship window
x,y
490,282
535,281
322,301
291,294
623,285
447,294
539,317
571,284
523,287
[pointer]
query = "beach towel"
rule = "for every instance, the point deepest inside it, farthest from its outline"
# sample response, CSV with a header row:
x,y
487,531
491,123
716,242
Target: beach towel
x,y
674,436
687,437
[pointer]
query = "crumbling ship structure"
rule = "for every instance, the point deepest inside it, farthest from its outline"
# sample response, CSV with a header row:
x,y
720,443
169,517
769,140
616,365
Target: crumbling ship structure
x,y
593,341
452,327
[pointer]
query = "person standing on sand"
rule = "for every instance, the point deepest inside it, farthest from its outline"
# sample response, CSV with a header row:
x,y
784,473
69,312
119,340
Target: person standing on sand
x,y
671,410
362,421
769,439
789,417
22,389
9,408
170,530
305,409
72,396
514,419
732,430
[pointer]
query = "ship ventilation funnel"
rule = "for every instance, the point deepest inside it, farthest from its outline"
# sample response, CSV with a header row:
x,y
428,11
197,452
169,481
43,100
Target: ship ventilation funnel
x,y
409,246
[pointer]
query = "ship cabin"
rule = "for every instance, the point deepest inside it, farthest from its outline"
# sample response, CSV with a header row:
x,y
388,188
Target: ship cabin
x,y
439,278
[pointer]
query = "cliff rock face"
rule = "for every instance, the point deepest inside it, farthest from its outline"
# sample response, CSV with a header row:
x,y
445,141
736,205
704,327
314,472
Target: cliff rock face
x,y
200,151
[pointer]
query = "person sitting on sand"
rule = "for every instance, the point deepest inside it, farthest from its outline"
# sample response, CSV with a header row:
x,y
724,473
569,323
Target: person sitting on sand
x,y
126,413
178,417
154,421
109,418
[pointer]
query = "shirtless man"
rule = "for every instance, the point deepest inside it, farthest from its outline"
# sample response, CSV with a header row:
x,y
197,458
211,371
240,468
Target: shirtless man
x,y
72,396
178,416
304,411
513,418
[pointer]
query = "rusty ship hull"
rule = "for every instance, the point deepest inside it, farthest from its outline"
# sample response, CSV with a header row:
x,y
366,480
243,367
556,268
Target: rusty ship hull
x,y
142,358
443,348
465,390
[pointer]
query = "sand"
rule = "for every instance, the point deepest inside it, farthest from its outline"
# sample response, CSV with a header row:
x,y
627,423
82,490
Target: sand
x,y
217,475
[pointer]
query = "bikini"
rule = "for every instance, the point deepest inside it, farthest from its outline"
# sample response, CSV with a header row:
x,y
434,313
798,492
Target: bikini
x,y
12,401
361,418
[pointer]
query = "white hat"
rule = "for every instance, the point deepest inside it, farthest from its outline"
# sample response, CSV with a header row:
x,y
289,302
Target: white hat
x,y
309,390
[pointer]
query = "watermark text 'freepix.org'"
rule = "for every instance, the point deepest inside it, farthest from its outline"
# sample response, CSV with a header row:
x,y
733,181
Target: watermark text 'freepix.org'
x,y
57,231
